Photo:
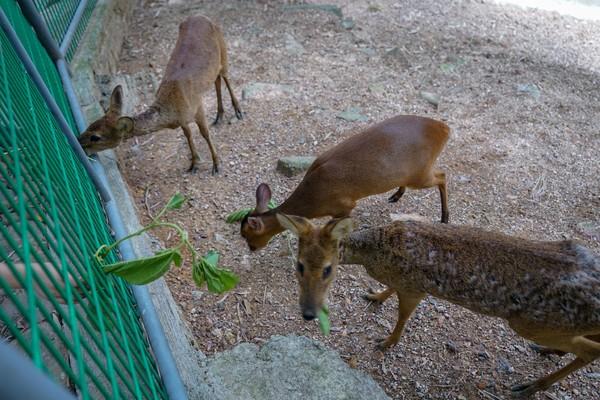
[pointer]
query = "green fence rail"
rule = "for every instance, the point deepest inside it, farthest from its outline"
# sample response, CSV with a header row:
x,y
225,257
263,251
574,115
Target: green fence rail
x,y
39,56
76,323
59,14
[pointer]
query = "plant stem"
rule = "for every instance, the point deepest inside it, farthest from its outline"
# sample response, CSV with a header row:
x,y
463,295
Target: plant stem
x,y
153,225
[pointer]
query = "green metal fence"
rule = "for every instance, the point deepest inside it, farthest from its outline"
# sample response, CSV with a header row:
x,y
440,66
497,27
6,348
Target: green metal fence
x,y
39,56
77,324
58,15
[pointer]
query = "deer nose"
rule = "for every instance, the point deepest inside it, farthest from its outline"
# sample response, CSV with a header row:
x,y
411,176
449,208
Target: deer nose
x,y
308,315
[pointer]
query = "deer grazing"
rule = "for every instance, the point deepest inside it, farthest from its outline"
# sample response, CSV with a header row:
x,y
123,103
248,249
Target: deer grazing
x,y
399,152
549,292
198,60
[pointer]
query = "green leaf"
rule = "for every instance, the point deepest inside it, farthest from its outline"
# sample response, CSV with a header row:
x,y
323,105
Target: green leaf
x,y
175,202
238,215
218,280
212,258
144,270
324,324
228,278
177,260
198,274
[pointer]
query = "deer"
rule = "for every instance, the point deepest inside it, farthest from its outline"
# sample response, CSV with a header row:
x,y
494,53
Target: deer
x,y
399,152
198,60
548,292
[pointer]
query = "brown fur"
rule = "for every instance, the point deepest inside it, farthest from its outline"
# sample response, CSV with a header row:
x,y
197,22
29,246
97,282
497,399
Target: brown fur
x,y
198,61
549,292
399,152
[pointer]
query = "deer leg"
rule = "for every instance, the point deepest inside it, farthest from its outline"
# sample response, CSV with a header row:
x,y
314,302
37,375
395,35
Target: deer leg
x,y
440,177
586,350
201,122
195,157
396,196
234,102
220,110
379,297
406,305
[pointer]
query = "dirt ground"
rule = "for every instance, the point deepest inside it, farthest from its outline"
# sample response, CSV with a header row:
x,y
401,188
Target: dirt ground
x,y
520,90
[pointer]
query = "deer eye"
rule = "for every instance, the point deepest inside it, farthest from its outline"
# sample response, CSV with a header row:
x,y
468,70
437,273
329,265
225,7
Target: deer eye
x,y
327,272
300,268
95,138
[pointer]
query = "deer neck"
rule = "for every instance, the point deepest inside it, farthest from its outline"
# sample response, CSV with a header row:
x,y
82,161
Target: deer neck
x,y
271,224
362,247
148,121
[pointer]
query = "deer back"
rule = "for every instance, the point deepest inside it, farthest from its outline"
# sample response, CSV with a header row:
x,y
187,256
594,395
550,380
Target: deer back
x,y
549,283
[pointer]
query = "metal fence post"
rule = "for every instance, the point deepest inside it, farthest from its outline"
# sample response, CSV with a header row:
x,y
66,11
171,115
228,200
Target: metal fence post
x,y
26,381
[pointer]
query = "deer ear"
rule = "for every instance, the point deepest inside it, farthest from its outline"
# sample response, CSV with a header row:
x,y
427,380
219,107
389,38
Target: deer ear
x,y
298,225
124,125
256,224
116,101
263,195
338,228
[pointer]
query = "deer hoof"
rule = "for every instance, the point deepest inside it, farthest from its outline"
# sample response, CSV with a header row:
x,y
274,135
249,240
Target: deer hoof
x,y
371,295
218,119
393,199
239,115
193,169
215,169
383,344
523,390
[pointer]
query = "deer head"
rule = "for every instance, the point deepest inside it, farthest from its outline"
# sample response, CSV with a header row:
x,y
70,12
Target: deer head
x,y
318,258
110,130
256,229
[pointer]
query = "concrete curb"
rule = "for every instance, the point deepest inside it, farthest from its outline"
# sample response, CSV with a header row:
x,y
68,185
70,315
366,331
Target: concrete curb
x,y
98,54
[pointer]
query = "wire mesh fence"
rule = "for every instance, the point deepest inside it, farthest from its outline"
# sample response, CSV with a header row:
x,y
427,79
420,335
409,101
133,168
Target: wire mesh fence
x,y
75,323
59,14
38,54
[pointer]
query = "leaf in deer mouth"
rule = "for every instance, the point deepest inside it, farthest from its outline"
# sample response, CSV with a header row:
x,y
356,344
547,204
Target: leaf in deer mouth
x,y
240,214
323,316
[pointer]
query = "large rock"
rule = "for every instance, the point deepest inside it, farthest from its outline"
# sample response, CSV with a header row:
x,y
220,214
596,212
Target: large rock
x,y
286,367
290,166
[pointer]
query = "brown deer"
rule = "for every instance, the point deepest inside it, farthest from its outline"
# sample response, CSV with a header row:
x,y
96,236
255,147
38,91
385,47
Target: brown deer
x,y
399,152
549,292
198,60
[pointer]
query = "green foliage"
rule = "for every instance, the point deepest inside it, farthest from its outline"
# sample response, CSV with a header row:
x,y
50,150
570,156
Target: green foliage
x,y
175,202
142,271
218,280
240,214
145,270
323,316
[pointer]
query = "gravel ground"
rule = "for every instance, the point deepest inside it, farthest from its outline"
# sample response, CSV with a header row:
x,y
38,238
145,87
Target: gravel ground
x,y
520,90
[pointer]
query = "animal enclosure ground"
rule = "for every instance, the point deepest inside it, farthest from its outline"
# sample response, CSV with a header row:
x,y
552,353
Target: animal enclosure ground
x,y
520,90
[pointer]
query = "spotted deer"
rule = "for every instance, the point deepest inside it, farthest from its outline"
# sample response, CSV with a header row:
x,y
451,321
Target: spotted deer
x,y
399,152
548,292
198,61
